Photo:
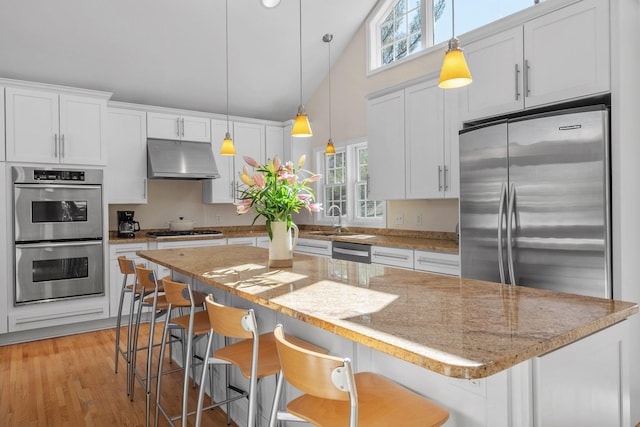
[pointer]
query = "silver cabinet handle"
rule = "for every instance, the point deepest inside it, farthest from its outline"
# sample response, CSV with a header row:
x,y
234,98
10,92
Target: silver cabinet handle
x,y
439,178
178,126
309,245
503,196
351,252
62,146
510,214
55,145
446,186
527,91
182,126
517,85
392,256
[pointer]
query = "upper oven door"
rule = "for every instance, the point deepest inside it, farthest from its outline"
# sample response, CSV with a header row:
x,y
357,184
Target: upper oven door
x,y
57,212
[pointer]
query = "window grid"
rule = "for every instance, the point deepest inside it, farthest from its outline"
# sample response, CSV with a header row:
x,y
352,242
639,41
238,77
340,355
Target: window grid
x,y
365,208
401,31
335,192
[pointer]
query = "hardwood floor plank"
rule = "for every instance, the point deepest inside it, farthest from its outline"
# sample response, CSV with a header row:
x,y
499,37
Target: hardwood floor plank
x,y
70,382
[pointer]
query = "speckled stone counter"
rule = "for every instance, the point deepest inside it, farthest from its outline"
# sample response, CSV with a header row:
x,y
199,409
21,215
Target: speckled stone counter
x,y
457,327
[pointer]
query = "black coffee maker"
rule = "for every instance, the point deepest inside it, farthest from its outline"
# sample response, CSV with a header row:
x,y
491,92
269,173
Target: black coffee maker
x,y
126,225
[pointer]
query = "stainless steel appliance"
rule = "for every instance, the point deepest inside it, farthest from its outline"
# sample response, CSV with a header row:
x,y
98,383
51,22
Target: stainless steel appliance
x,y
58,250
169,159
181,233
126,225
534,201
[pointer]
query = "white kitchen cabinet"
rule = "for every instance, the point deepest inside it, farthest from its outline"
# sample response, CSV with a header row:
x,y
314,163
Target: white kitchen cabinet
x,y
115,276
127,160
247,241
394,257
47,127
527,66
313,247
386,147
437,262
274,143
220,190
178,127
249,140
2,133
5,294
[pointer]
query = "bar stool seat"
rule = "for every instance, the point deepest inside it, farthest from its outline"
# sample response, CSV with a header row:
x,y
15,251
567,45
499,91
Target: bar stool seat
x,y
336,397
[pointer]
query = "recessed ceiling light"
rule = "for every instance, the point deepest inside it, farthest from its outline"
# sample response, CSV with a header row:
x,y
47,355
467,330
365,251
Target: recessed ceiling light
x,y
270,3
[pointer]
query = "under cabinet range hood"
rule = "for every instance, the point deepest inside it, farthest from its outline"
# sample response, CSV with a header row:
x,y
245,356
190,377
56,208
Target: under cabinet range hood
x,y
170,159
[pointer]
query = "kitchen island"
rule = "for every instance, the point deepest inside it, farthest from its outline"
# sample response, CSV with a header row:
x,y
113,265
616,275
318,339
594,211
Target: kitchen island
x,y
483,350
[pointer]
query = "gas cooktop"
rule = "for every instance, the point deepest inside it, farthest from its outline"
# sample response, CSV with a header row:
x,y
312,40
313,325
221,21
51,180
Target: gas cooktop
x,y
171,233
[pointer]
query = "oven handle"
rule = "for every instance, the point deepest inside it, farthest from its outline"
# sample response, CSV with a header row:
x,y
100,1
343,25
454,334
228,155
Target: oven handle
x,y
57,244
76,187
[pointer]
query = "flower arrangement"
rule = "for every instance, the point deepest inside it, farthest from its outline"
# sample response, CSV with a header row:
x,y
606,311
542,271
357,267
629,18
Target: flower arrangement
x,y
275,190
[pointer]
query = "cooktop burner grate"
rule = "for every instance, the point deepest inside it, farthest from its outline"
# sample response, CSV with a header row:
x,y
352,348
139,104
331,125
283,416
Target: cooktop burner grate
x,y
171,233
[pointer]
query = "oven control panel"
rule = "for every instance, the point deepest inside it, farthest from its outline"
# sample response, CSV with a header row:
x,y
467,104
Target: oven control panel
x,y
57,175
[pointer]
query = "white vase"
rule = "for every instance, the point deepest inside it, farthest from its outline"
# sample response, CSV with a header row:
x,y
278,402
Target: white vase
x,y
282,244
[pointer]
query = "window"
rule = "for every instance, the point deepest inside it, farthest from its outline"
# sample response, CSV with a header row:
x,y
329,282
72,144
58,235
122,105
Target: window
x,y
345,185
399,28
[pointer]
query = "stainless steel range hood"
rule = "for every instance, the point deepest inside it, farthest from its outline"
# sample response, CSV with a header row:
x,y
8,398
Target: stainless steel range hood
x,y
170,159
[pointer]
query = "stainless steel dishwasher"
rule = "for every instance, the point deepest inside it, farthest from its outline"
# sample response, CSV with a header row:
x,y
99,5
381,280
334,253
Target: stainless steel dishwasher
x,y
348,251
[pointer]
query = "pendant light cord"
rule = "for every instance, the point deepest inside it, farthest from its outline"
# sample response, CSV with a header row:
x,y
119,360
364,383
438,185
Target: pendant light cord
x,y
226,43
300,52
453,19
329,89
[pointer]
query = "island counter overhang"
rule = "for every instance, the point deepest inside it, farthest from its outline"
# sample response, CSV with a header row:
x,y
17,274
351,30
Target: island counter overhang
x,y
456,327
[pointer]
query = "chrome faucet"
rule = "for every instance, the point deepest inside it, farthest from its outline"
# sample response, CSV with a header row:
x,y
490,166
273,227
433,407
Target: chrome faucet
x,y
338,225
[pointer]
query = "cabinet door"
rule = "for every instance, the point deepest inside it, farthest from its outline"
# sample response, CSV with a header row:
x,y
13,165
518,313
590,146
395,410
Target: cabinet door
x,y
82,129
4,255
452,125
424,141
437,262
568,53
395,257
220,190
248,139
127,159
2,133
32,126
196,129
248,241
294,148
275,143
163,126
385,128
115,276
496,65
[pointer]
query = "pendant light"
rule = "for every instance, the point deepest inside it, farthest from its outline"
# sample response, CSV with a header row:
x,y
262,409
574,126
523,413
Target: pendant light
x,y
301,126
270,3
454,72
330,148
227,148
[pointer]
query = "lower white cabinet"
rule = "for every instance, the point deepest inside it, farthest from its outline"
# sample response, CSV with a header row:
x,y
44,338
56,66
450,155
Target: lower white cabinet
x,y
58,313
394,257
313,247
247,241
115,277
437,262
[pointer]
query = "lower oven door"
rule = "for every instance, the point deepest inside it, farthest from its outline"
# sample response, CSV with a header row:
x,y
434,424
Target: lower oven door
x,y
54,270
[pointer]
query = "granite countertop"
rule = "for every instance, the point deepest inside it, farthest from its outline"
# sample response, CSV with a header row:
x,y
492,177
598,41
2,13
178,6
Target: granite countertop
x,y
457,327
407,239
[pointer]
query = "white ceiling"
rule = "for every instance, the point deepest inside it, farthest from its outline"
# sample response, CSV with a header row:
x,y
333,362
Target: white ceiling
x,y
172,52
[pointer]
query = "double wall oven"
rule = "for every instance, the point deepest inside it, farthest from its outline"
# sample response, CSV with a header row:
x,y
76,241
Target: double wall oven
x,y
58,248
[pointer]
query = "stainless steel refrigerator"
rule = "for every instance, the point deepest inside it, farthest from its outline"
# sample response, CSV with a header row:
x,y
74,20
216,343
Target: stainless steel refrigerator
x,y
534,201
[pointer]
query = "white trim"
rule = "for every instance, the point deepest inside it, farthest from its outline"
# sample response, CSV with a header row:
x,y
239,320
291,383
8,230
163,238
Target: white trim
x,y
55,88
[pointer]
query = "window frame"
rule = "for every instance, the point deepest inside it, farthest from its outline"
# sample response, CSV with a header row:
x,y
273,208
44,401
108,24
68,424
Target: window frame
x,y
349,218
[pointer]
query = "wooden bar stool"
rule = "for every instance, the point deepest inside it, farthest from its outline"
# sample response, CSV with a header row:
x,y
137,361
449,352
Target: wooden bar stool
x,y
336,397
195,325
255,355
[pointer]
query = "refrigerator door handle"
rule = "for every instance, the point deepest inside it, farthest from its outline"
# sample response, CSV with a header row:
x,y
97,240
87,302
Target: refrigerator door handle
x,y
510,214
503,196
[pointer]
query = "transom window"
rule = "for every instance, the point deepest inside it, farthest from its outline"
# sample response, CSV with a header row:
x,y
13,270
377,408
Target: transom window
x,y
397,29
345,185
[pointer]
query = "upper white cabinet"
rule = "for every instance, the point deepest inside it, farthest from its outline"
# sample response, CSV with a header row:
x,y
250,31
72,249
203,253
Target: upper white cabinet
x,y
127,160
414,130
174,126
2,143
47,127
249,140
275,143
559,56
386,148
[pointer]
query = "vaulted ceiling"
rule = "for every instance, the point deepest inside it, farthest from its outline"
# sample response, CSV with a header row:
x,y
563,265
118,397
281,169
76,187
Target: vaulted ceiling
x,y
172,52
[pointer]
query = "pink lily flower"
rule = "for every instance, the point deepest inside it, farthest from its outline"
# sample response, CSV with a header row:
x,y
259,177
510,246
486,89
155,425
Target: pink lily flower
x,y
259,180
276,162
251,161
315,207
303,197
289,166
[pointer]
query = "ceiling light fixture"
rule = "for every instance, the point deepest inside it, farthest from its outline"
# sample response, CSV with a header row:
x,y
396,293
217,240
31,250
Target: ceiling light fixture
x,y
330,148
270,3
227,148
454,72
301,126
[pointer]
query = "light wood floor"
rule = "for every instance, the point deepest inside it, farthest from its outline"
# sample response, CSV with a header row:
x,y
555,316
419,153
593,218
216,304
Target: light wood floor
x,y
70,381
